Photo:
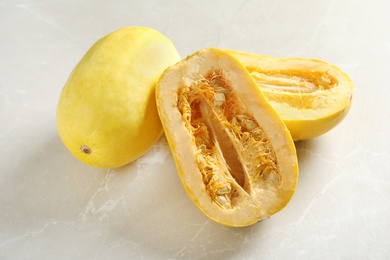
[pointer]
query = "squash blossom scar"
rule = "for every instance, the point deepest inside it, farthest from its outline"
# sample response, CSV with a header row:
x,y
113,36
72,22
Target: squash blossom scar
x,y
85,149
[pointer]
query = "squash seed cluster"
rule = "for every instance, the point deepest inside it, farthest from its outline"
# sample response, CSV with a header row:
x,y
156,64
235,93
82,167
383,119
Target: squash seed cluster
x,y
233,153
305,86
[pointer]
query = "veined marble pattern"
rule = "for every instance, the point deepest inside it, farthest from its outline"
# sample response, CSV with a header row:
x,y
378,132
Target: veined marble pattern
x,y
54,207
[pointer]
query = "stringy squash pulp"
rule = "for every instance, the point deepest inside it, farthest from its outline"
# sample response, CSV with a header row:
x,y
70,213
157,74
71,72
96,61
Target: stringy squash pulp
x,y
234,155
310,95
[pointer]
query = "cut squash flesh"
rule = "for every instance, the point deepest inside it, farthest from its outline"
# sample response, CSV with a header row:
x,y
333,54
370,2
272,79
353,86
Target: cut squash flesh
x,y
310,95
234,155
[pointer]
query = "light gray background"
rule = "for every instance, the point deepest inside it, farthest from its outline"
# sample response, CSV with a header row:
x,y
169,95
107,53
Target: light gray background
x,y
54,207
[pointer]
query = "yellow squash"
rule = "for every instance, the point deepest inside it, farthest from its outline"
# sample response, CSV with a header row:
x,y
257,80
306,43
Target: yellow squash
x,y
106,114
234,155
310,95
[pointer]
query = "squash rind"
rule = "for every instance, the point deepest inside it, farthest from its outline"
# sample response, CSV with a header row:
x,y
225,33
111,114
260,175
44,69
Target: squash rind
x,y
307,114
106,114
250,206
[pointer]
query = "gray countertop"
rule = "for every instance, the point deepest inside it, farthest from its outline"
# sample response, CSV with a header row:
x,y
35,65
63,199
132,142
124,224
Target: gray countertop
x,y
54,207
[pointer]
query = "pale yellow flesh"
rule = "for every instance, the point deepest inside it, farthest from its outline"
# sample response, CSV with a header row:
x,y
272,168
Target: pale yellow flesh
x,y
254,198
310,95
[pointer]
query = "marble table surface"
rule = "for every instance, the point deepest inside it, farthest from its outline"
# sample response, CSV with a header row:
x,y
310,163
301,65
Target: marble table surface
x,y
54,207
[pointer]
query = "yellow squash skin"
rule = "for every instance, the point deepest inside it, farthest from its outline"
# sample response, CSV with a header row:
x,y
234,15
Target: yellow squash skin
x,y
310,95
106,114
234,155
